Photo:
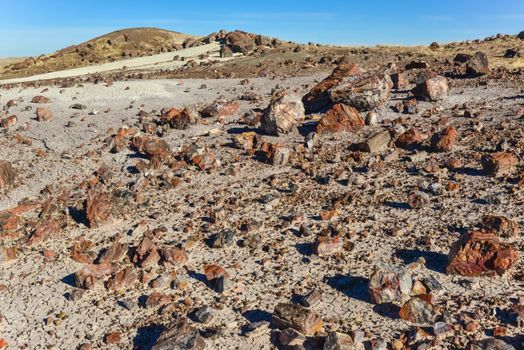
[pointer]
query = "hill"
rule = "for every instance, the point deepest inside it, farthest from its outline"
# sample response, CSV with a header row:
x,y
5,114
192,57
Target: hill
x,y
118,45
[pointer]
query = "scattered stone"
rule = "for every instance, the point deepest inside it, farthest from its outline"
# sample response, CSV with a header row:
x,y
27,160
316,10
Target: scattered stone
x,y
503,225
478,253
444,140
477,65
432,89
40,99
282,115
88,276
378,142
312,298
78,106
499,164
419,309
340,118
43,114
389,284
220,108
294,316
489,344
180,335
98,207
326,245
204,314
418,200
338,341
400,82
8,122
7,174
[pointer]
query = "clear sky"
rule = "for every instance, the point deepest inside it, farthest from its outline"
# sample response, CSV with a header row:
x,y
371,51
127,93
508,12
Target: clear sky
x,y
32,27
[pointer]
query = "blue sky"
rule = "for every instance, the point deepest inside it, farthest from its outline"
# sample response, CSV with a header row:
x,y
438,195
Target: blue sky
x,y
32,27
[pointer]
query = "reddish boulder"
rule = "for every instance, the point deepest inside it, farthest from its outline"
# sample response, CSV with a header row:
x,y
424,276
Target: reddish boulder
x,y
479,253
282,115
8,121
432,89
146,254
318,97
43,114
7,174
40,99
98,207
444,140
500,163
503,225
477,65
88,276
220,109
409,139
341,118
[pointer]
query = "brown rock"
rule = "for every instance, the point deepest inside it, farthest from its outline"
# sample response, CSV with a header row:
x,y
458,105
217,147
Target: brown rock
x,y
220,109
364,93
275,153
98,206
7,254
432,89
489,344
341,118
124,278
180,335
174,256
213,272
294,316
378,142
157,299
115,253
40,99
9,121
180,119
419,309
477,65
151,146
318,98
499,164
410,139
479,253
282,115
444,140
146,254
7,174
388,284
112,338
418,200
90,274
43,114
45,230
325,245
399,80
503,225
338,341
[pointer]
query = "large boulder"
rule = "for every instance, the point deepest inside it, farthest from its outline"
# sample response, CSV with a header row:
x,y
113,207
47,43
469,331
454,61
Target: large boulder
x,y
432,89
317,98
282,115
479,253
340,118
477,65
364,93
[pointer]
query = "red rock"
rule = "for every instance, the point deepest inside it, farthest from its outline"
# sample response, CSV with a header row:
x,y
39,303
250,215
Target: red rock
x,y
205,161
213,272
503,225
432,89
479,253
180,335
417,200
45,230
146,254
411,138
112,338
245,140
116,253
318,97
180,119
9,121
419,309
124,278
499,164
98,208
220,109
81,251
3,343
8,221
325,245
151,146
157,299
294,316
40,99
174,256
444,140
389,284
7,174
282,115
477,65
341,118
275,153
88,276
7,254
399,80
43,114
365,93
